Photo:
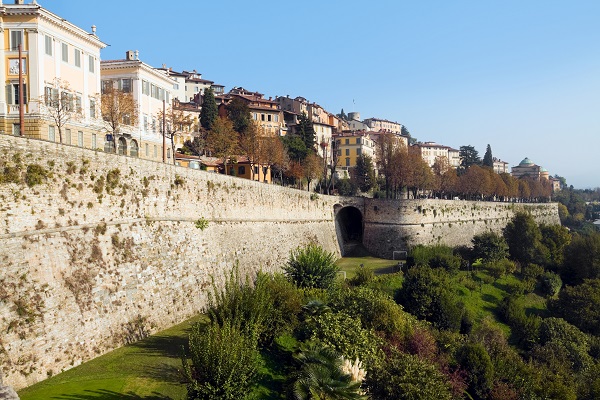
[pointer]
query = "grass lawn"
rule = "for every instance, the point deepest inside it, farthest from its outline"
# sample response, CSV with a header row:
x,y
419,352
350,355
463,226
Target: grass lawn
x,y
378,265
148,369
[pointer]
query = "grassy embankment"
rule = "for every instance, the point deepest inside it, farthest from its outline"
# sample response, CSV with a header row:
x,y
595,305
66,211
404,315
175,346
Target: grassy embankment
x,y
150,368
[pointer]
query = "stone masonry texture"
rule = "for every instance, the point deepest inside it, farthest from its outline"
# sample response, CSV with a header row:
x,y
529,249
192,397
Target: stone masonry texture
x,y
109,248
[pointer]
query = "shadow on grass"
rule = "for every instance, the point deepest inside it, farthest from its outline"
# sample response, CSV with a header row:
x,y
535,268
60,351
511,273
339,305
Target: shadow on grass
x,y
102,394
165,373
503,286
163,346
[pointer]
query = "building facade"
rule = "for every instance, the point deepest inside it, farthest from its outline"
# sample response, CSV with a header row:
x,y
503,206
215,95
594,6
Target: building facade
x,y
59,60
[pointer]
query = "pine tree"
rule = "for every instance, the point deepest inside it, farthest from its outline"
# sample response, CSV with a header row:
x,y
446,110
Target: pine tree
x,y
306,132
488,160
209,113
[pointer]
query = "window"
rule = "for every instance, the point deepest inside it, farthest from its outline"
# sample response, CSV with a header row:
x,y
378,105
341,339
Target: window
x,y
168,153
347,162
12,93
51,134
357,140
125,85
107,85
176,86
94,141
48,42
347,141
347,152
262,117
126,119
77,58
269,117
155,151
67,100
16,38
241,170
67,136
277,118
17,129
145,123
80,138
65,52
145,88
255,116
78,106
92,64
92,108
147,150
358,152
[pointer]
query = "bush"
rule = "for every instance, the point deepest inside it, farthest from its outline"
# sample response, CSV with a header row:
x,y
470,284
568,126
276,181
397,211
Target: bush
x,y
579,306
223,363
311,267
345,335
438,256
405,376
550,283
489,246
480,371
375,310
36,174
363,276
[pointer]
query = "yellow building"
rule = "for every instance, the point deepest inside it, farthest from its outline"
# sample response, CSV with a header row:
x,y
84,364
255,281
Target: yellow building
x,y
350,145
59,59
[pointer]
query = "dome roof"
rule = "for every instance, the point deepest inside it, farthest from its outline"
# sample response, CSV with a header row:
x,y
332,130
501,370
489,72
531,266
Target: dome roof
x,y
526,161
543,169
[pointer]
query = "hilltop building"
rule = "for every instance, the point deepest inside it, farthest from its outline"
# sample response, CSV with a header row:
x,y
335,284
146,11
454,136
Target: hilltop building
x,y
58,59
528,169
431,150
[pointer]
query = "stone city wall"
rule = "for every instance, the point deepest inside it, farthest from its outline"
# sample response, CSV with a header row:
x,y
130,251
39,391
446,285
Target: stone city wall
x,y
393,225
110,248
107,249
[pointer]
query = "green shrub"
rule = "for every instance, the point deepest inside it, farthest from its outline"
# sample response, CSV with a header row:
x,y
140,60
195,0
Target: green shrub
x,y
311,267
474,359
489,246
375,310
550,283
223,362
363,276
201,223
345,335
11,175
36,174
405,376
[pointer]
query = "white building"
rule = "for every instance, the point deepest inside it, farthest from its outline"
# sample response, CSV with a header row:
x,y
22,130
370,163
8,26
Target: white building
x,y
58,57
149,87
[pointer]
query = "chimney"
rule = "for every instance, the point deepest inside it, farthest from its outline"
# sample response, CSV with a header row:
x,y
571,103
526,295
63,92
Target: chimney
x,y
19,1
129,55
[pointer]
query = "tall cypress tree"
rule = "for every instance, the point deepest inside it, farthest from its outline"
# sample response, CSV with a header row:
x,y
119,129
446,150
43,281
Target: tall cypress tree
x,y
209,113
306,131
488,160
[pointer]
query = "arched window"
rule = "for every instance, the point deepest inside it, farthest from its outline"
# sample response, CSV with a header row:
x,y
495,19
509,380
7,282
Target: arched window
x,y
122,147
134,149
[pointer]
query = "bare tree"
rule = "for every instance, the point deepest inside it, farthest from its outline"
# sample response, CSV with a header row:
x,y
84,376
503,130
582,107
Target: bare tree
x,y
61,104
176,123
119,109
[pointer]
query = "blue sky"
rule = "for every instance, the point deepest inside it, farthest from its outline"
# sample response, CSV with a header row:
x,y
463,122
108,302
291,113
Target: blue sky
x,y
523,76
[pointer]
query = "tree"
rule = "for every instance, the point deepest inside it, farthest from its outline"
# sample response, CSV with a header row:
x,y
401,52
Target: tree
x,y
209,112
581,258
62,104
342,115
313,168
194,147
239,113
578,305
489,246
523,237
273,153
119,109
222,140
306,132
488,160
416,171
468,156
176,123
363,175
474,358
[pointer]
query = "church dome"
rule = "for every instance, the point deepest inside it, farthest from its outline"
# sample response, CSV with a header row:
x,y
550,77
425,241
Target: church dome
x,y
526,162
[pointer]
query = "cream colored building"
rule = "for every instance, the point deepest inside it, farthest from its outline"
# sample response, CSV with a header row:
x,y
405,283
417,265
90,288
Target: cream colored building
x,y
149,87
53,51
431,150
376,124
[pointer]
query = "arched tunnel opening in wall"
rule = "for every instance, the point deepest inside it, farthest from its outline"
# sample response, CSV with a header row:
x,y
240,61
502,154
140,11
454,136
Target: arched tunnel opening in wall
x,y
349,226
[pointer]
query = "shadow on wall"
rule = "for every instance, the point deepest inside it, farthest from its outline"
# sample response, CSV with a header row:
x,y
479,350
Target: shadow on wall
x,y
349,226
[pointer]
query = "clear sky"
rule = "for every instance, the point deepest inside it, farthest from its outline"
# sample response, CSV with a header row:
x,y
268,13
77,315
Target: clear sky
x,y
520,75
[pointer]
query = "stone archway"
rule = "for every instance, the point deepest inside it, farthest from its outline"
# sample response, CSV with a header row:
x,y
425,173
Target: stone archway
x,y
349,226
